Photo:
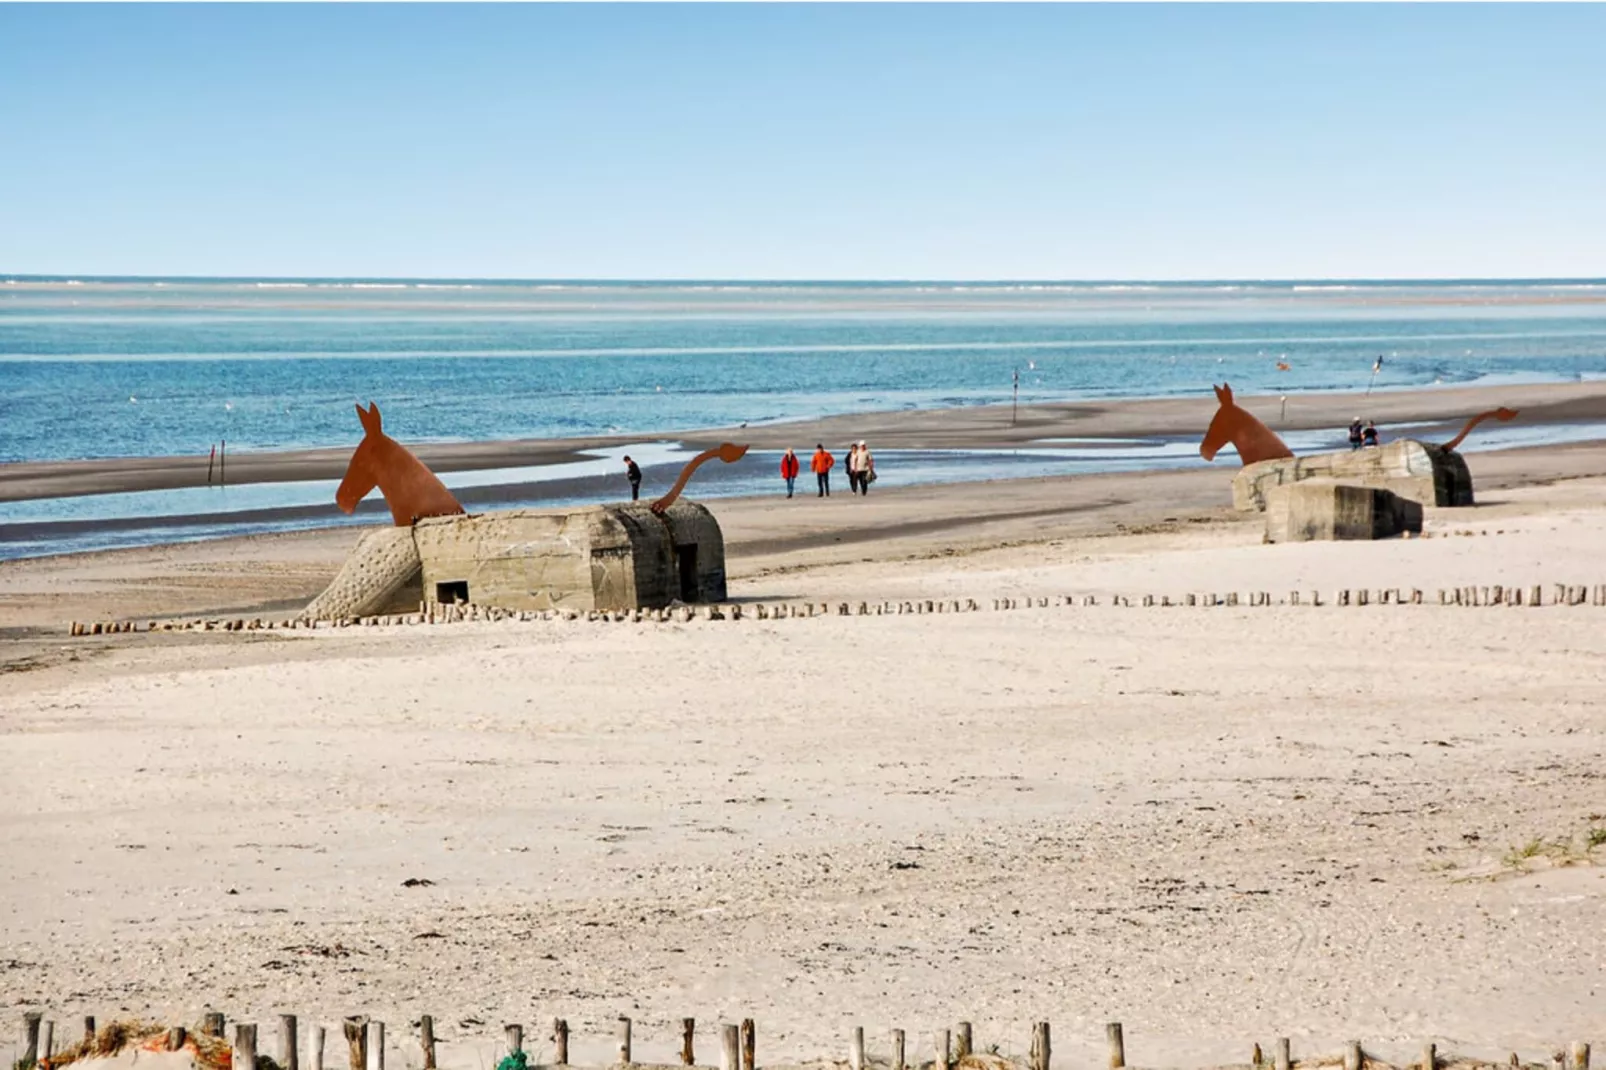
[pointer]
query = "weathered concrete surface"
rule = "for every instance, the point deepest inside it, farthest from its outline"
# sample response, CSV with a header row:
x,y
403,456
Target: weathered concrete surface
x,y
604,557
1420,471
1322,511
381,575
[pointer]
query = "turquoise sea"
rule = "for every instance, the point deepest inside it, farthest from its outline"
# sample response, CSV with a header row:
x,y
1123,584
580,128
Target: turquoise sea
x,y
101,367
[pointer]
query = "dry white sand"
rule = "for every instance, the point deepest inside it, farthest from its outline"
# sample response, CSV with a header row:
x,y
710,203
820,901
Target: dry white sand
x,y
1216,826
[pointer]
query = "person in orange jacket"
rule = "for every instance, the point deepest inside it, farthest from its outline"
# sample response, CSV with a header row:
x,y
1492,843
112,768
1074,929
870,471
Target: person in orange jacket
x,y
789,470
821,466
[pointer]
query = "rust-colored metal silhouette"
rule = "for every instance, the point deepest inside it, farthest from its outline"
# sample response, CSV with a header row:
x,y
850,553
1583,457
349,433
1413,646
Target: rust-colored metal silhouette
x,y
1253,440
726,452
411,490
1502,414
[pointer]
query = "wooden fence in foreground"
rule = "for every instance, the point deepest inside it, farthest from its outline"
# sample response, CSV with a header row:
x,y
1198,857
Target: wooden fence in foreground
x,y
1562,594
950,1049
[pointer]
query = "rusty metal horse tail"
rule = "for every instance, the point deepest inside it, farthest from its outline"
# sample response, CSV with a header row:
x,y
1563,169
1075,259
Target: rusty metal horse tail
x,y
1501,414
725,451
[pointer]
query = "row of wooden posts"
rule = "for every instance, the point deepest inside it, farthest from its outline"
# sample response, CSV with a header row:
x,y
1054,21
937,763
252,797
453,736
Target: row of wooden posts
x,y
443,613
365,1042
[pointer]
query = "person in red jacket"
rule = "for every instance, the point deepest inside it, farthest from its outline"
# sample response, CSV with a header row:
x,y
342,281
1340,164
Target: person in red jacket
x,y
821,465
789,470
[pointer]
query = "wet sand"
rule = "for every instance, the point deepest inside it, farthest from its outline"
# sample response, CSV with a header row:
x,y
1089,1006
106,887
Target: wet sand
x,y
279,573
967,428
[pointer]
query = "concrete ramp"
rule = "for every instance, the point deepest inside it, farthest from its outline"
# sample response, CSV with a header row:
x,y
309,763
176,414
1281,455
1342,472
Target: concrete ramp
x,y
383,574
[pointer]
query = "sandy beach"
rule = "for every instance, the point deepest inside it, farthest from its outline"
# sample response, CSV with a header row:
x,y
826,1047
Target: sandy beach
x,y
1215,826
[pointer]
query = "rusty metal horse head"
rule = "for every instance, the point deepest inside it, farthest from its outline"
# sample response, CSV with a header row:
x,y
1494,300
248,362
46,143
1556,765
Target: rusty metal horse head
x,y
410,489
1253,440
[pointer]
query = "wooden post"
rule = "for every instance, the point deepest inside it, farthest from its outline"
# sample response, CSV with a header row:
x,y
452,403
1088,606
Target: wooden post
x,y
624,1041
749,1044
356,1042
942,1050
289,1043
176,1038
1429,1056
315,1052
688,1031
244,1056
1284,1058
1353,1056
1580,1059
730,1048
1040,1046
962,1041
1112,1034
376,1046
31,1038
515,1038
426,1040
856,1049
560,1042
897,1049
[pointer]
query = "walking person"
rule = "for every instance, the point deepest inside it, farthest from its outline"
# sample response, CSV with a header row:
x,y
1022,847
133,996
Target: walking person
x,y
866,468
789,470
1369,436
1355,433
853,468
821,467
633,473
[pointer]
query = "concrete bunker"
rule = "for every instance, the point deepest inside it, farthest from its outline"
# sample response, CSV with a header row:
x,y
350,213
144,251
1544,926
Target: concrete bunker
x,y
1418,471
1321,511
605,557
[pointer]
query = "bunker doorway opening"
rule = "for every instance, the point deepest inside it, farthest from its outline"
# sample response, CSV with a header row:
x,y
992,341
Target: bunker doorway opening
x,y
686,561
452,591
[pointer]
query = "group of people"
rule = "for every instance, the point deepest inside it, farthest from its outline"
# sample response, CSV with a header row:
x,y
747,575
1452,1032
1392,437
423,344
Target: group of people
x,y
1362,436
860,466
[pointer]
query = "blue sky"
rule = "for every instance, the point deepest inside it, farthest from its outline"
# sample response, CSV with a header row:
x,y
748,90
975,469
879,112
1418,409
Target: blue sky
x,y
778,141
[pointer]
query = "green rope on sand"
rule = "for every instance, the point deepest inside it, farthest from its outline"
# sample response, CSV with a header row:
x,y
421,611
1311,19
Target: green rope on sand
x,y
517,1061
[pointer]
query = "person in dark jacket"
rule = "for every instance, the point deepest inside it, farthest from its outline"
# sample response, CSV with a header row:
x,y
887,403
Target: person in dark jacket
x,y
633,473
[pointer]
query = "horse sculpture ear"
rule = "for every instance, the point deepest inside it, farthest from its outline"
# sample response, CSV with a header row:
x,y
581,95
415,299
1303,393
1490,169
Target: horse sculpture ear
x,y
1224,394
370,418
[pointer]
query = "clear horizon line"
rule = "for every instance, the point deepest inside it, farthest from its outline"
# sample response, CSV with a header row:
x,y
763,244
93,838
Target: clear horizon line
x,y
799,280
